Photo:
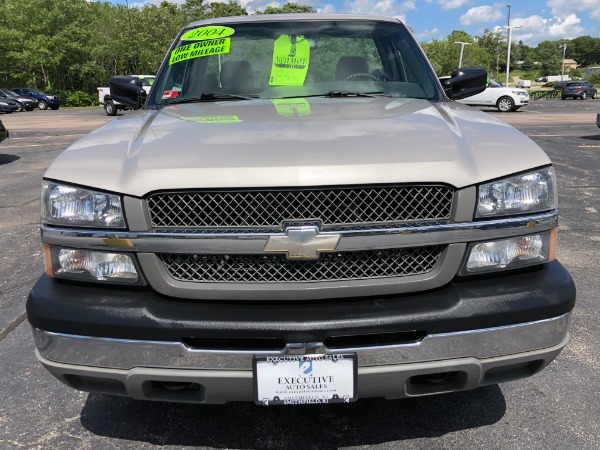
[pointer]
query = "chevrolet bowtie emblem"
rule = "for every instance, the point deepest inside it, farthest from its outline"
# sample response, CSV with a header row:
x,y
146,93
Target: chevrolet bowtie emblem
x,y
302,243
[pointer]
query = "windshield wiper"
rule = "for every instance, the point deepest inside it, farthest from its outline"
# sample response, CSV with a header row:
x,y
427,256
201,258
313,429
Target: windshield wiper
x,y
211,96
339,94
351,94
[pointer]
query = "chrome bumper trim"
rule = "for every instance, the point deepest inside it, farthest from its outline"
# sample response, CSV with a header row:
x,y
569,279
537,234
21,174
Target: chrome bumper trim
x,y
240,243
127,354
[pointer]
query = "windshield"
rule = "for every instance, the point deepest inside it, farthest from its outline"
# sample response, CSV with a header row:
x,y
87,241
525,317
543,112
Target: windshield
x,y
294,59
36,92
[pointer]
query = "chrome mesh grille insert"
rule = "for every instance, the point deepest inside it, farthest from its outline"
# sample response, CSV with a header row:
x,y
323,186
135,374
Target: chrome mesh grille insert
x,y
270,208
335,266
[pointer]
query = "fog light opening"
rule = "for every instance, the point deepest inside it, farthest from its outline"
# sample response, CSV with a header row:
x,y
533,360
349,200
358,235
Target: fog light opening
x,y
434,383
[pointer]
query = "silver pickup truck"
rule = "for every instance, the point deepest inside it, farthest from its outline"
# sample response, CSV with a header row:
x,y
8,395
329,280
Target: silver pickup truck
x,y
299,213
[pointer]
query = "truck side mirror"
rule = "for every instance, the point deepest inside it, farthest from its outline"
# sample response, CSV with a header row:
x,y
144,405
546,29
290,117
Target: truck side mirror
x,y
127,90
465,82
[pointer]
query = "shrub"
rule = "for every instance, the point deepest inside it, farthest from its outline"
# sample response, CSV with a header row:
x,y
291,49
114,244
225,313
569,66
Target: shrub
x,y
594,78
72,98
80,98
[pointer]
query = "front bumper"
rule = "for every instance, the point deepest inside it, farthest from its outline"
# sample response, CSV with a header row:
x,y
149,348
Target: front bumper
x,y
521,100
8,108
480,330
440,363
29,105
469,303
49,101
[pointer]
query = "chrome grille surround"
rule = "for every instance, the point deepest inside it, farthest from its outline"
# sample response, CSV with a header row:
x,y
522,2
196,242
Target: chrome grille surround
x,y
334,266
331,206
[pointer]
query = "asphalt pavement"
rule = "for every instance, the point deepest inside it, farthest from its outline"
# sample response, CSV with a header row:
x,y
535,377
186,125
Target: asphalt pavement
x,y
558,408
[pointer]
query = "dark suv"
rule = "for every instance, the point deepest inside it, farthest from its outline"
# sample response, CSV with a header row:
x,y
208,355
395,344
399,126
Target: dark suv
x,y
579,89
44,101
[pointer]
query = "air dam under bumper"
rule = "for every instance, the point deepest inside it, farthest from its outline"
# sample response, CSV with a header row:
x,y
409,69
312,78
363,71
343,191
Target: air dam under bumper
x,y
465,360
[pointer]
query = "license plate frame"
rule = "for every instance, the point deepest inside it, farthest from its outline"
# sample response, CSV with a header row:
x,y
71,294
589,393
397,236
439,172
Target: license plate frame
x,y
305,379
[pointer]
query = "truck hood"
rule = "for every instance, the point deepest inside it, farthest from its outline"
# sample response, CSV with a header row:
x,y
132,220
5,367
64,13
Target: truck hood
x,y
296,142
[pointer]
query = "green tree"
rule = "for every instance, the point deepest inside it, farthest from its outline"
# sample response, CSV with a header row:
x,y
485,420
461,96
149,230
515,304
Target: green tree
x,y
441,55
288,8
549,55
494,43
228,9
51,45
194,10
585,50
445,55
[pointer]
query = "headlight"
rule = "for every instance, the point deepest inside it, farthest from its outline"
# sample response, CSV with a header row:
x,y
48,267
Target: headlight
x,y
526,193
4,103
87,265
510,253
68,205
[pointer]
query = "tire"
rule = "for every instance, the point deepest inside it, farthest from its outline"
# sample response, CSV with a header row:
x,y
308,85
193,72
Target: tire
x,y
505,104
42,105
564,97
20,107
110,108
593,95
54,107
583,96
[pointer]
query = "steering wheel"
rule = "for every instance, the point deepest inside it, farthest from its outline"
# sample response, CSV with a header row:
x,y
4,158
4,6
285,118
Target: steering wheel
x,y
368,76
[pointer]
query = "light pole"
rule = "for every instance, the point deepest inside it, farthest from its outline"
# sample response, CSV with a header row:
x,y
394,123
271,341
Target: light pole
x,y
462,48
508,54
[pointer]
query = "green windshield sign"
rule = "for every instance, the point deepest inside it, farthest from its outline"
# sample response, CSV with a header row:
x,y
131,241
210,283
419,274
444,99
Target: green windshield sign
x,y
291,56
200,49
207,33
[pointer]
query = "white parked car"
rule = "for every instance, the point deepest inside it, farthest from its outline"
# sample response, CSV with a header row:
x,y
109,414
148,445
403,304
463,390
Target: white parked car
x,y
506,99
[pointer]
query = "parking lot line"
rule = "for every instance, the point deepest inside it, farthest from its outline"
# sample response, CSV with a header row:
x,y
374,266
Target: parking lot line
x,y
52,136
23,146
552,135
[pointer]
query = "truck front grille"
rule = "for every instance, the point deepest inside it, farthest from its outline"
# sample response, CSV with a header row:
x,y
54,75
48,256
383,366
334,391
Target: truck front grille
x,y
271,208
335,266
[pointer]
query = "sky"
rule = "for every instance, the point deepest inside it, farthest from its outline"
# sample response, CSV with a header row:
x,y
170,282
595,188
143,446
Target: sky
x,y
434,19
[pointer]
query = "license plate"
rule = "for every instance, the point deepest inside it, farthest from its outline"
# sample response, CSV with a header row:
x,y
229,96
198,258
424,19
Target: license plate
x,y
305,379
